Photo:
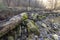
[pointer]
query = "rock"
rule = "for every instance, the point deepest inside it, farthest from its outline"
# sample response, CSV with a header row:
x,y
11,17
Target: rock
x,y
44,25
55,36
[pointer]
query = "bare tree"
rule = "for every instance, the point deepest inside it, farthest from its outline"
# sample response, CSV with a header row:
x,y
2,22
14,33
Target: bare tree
x,y
55,4
18,3
51,3
7,2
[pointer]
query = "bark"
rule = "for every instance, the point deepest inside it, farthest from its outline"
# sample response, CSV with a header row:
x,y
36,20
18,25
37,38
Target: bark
x,y
11,24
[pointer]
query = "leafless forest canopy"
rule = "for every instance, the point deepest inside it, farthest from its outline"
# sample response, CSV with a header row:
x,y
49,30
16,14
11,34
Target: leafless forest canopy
x,y
50,4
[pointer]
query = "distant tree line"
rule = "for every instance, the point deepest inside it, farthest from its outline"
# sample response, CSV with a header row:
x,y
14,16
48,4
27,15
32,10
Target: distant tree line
x,y
53,3
32,3
14,2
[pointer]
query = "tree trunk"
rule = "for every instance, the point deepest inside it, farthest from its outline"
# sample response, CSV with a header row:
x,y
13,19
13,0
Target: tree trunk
x,y
11,24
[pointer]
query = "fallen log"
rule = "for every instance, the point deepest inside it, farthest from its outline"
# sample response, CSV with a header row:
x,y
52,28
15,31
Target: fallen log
x,y
11,24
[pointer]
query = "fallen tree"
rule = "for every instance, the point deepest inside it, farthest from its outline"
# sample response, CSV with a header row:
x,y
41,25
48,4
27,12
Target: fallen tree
x,y
11,24
15,22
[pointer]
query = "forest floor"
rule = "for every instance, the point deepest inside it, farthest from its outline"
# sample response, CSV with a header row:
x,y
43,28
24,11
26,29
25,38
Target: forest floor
x,y
49,24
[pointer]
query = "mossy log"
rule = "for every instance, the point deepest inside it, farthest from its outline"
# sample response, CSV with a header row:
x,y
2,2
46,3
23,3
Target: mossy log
x,y
11,24
15,21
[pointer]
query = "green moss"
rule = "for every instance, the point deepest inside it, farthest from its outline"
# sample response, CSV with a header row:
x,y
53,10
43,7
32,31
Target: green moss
x,y
24,16
34,16
41,16
32,28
